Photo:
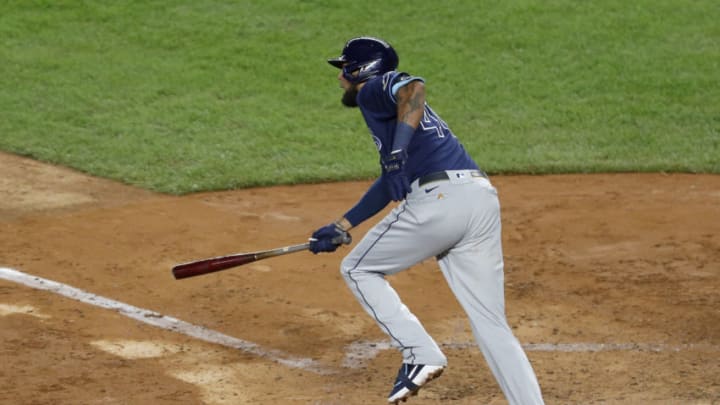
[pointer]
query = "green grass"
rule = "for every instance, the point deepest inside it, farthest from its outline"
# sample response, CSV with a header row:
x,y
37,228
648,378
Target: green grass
x,y
182,96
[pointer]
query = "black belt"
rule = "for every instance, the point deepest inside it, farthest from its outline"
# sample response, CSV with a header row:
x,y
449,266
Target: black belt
x,y
437,176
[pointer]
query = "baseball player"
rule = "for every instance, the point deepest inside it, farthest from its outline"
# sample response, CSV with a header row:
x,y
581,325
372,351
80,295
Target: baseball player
x,y
448,210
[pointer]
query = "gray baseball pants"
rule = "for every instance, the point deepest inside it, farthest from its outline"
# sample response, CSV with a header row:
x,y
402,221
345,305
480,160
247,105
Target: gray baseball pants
x,y
458,222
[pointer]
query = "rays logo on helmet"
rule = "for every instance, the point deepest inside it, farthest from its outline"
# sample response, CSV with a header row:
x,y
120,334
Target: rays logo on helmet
x,y
370,67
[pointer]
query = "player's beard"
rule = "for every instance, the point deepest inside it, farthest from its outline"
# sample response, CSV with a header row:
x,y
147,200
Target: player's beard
x,y
349,98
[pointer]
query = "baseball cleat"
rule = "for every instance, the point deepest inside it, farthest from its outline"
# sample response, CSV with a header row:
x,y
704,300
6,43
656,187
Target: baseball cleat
x,y
410,379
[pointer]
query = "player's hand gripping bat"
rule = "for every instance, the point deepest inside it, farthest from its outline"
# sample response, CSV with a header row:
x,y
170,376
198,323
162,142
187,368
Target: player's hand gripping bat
x,y
211,265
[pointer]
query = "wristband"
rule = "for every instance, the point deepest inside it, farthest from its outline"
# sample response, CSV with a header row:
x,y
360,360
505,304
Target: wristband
x,y
343,224
403,135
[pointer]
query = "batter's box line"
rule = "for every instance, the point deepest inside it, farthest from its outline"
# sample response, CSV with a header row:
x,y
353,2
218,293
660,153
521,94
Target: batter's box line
x,y
359,352
162,321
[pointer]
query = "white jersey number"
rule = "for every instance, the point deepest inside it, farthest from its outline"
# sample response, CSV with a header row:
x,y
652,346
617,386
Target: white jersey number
x,y
431,121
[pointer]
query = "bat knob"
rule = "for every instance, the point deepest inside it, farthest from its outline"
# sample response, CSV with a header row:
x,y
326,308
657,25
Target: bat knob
x,y
347,238
344,238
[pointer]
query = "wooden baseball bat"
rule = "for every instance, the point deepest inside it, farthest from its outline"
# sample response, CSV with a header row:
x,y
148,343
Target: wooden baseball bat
x,y
213,264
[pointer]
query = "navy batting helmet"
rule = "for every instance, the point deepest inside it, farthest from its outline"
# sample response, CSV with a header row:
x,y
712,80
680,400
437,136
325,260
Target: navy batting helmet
x,y
365,57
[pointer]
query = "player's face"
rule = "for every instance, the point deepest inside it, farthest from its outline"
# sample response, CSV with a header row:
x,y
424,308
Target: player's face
x,y
349,97
344,84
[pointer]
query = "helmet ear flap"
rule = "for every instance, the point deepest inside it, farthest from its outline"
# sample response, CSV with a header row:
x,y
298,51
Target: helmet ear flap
x,y
356,72
351,76
350,72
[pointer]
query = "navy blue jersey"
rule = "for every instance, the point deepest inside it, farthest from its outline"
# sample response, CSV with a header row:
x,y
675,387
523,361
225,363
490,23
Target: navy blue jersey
x,y
433,146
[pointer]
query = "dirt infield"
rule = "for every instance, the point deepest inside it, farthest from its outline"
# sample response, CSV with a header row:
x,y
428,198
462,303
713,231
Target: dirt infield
x,y
612,285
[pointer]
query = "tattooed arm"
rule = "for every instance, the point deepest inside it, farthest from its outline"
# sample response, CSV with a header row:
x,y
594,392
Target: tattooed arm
x,y
410,108
411,103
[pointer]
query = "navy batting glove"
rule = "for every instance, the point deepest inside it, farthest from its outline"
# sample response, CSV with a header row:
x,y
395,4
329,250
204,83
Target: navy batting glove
x,y
328,238
395,177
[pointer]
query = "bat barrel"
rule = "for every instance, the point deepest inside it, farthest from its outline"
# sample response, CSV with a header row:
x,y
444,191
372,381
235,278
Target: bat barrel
x,y
210,265
214,264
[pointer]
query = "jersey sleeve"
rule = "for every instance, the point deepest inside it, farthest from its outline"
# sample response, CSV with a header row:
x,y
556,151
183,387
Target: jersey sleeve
x,y
399,80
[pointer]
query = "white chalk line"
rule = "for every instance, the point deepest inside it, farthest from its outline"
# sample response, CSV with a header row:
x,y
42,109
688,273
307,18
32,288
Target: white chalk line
x,y
356,353
601,347
359,352
162,321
